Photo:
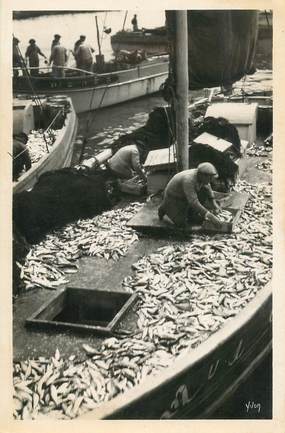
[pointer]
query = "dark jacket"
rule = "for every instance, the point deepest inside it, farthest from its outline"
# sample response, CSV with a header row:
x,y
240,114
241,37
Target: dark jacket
x,y
21,158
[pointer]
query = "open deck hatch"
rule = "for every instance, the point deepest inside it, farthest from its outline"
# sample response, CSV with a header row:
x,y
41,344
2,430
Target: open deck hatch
x,y
80,309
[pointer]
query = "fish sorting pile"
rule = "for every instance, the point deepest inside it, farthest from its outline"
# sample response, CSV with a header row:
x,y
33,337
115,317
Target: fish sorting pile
x,y
264,164
39,143
105,236
260,151
261,81
187,291
225,216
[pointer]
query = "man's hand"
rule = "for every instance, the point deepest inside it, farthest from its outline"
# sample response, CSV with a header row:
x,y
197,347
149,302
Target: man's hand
x,y
217,209
213,219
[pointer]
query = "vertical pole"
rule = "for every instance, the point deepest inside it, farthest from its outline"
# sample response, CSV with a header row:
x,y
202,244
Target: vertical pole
x,y
126,14
181,54
98,36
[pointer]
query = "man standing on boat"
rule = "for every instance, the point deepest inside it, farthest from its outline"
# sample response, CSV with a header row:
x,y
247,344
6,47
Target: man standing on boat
x,y
56,41
32,54
17,59
126,163
188,197
83,54
77,43
58,59
135,23
21,157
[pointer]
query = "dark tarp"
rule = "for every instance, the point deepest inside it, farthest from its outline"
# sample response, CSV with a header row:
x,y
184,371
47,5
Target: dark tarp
x,y
60,197
221,45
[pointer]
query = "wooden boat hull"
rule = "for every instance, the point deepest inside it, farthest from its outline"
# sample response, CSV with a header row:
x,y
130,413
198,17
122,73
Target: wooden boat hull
x,y
59,157
104,96
132,83
150,43
199,382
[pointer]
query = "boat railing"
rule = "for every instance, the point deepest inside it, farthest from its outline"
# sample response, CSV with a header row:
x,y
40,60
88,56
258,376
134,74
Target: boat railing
x,y
49,69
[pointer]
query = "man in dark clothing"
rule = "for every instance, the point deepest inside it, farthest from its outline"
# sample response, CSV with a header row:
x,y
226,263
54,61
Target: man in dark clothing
x,y
80,41
32,53
21,157
188,197
56,41
17,60
135,23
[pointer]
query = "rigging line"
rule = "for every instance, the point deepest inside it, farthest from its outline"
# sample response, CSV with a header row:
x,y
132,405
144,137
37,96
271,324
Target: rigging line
x,y
104,22
19,154
88,122
267,19
126,14
24,67
36,98
120,43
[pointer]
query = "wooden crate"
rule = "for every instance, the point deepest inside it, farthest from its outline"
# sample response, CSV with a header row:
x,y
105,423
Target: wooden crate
x,y
242,115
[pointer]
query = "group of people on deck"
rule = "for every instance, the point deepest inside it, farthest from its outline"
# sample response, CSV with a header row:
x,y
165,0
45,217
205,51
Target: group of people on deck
x,y
82,52
188,197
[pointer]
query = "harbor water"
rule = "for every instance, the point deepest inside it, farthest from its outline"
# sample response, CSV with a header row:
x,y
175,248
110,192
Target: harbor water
x,y
70,26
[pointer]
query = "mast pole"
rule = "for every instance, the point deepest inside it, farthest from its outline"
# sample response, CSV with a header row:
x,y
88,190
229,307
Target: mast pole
x,y
181,54
98,36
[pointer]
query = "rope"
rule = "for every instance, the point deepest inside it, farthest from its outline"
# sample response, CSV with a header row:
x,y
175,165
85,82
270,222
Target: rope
x,y
36,98
19,154
123,28
105,17
88,122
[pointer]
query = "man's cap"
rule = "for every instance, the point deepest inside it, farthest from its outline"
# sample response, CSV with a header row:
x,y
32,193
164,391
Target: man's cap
x,y
57,36
207,168
82,37
32,41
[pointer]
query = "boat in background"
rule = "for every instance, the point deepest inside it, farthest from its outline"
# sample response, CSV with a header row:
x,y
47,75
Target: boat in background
x,y
52,121
89,91
155,41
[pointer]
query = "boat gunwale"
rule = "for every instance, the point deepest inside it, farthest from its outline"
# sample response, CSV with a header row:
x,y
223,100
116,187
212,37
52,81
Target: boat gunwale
x,y
69,91
182,364
90,75
71,117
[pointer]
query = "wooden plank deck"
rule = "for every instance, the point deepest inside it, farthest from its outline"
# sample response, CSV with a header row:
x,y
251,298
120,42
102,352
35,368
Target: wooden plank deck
x,y
147,218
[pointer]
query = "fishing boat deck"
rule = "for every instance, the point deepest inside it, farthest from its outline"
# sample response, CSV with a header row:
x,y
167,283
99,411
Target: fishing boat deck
x,y
98,274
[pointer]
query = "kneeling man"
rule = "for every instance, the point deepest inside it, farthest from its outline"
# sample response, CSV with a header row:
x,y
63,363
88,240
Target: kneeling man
x,y
189,199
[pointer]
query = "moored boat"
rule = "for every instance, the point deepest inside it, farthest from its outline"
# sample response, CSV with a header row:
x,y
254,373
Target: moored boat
x,y
152,41
26,115
90,91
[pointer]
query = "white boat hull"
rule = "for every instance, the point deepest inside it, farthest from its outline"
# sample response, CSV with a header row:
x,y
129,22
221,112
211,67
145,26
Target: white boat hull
x,y
59,157
131,83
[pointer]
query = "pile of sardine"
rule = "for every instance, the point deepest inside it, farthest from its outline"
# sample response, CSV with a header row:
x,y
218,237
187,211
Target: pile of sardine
x,y
260,81
48,263
39,143
187,291
259,151
225,216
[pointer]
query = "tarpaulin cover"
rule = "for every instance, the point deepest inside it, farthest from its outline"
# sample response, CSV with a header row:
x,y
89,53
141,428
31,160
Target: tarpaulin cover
x,y
221,45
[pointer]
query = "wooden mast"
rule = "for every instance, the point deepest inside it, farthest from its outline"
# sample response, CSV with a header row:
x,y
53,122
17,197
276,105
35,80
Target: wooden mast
x,y
181,56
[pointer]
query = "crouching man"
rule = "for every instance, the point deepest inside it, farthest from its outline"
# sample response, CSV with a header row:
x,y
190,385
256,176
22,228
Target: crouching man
x,y
126,163
189,199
